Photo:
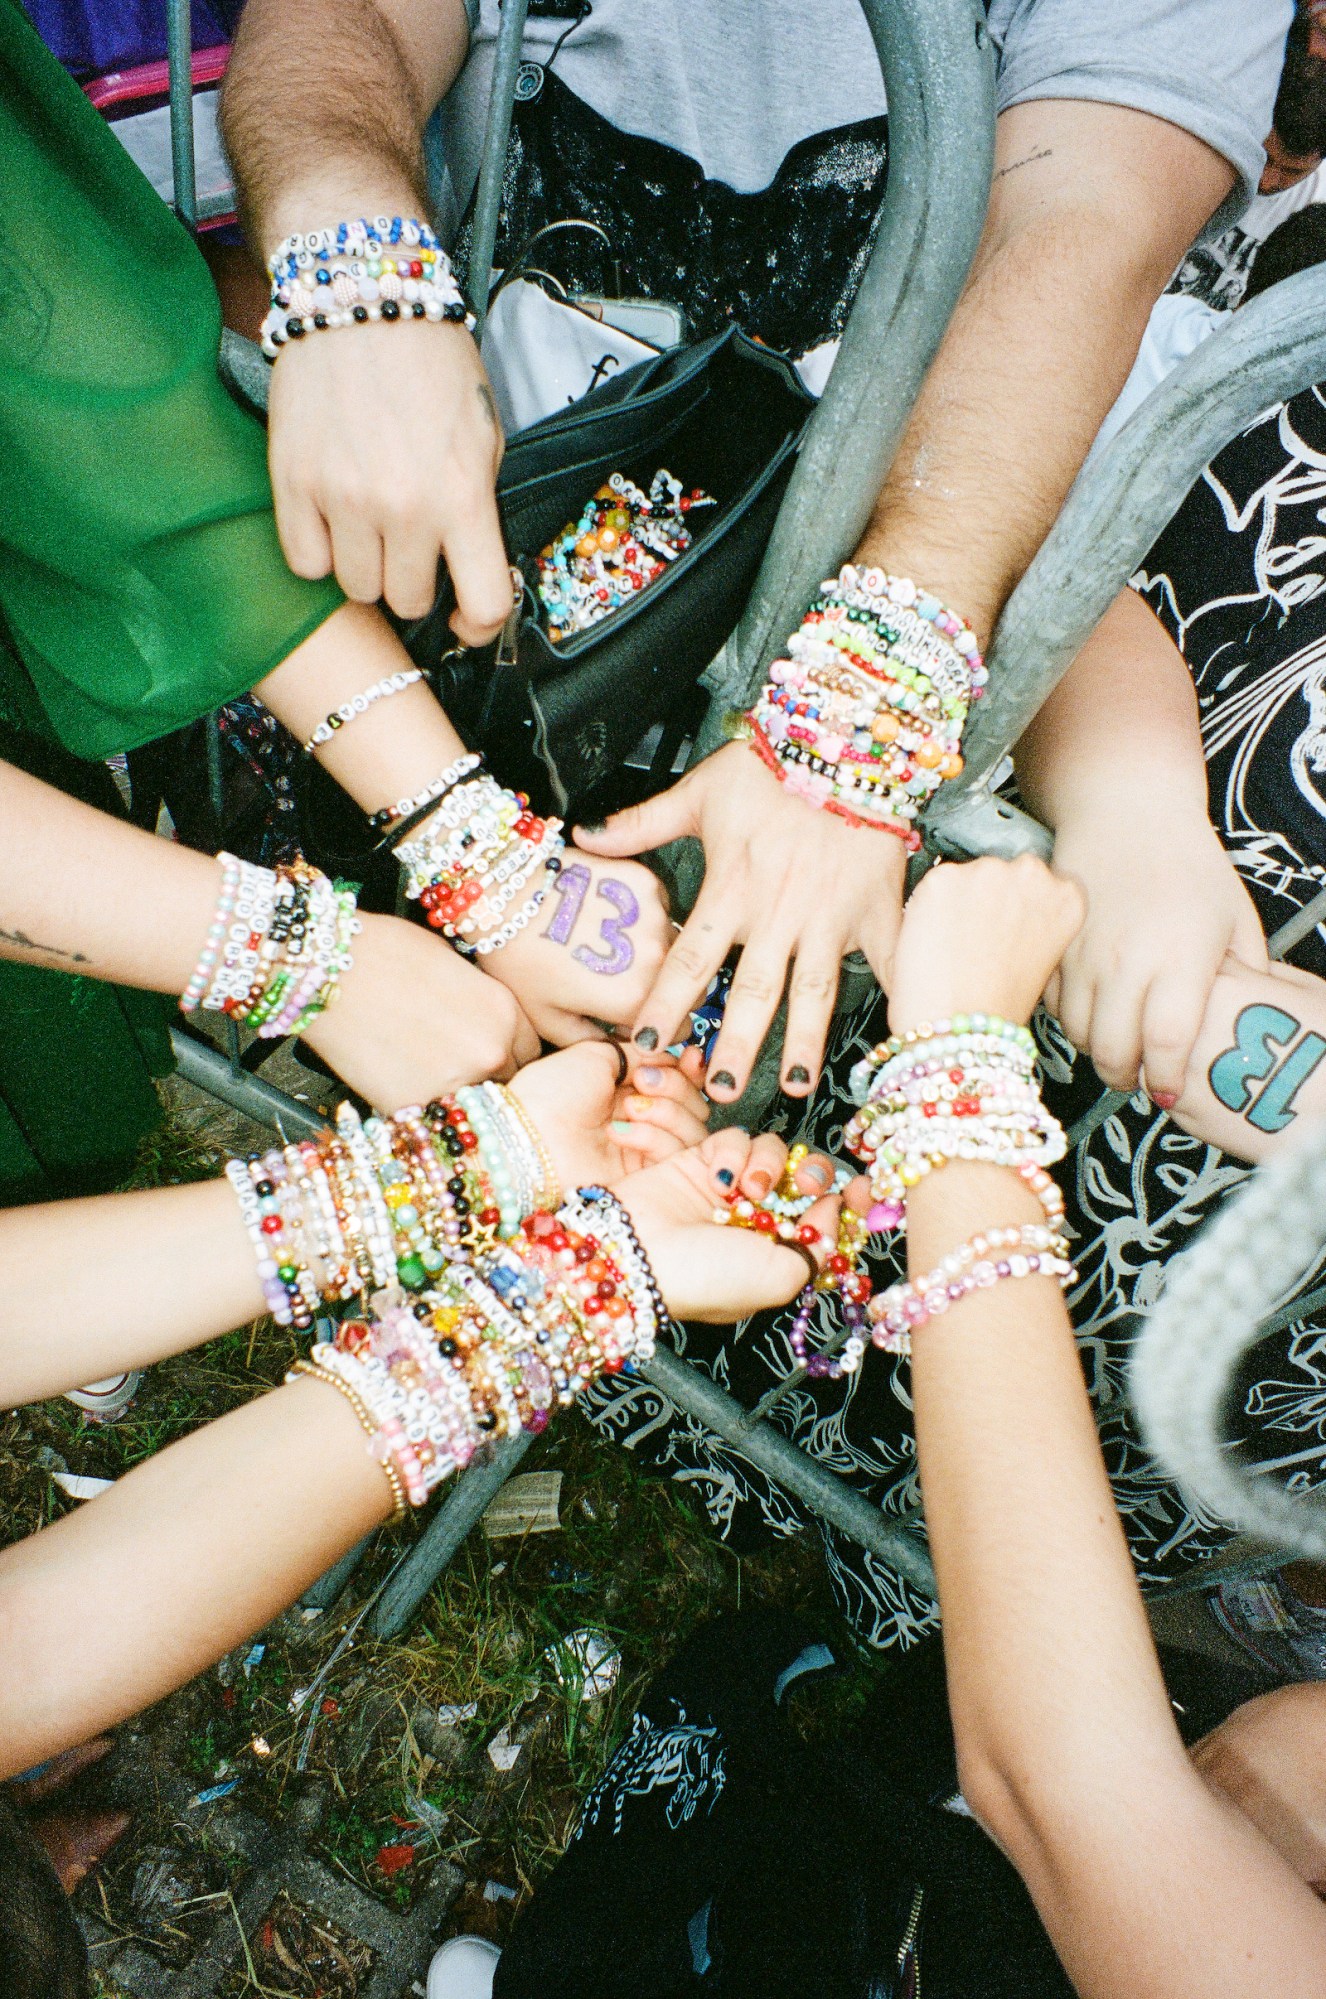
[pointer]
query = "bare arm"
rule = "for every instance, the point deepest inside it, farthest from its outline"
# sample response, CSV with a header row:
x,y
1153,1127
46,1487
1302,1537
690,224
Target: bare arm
x,y
1114,764
1148,1884
1092,206
384,439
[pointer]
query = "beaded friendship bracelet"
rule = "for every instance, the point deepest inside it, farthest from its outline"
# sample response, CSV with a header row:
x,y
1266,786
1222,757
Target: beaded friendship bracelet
x,y
864,717
278,943
388,269
349,711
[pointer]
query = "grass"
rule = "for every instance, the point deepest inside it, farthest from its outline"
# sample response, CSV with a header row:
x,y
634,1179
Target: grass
x,y
633,1559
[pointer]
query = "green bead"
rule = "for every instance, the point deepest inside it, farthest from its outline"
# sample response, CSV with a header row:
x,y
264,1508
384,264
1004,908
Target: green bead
x,y
288,1272
411,1272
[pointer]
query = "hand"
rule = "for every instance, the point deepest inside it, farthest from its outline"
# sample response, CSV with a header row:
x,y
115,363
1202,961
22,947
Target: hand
x,y
412,1020
1269,1759
781,879
592,952
1164,910
603,1112
721,1273
981,937
384,449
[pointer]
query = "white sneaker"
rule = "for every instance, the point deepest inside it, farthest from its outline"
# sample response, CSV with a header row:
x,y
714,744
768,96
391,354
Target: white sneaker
x,y
106,1401
463,1969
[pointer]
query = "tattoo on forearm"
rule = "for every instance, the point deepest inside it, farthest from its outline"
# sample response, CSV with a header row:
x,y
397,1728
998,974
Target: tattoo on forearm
x,y
21,939
1027,160
570,889
1266,1050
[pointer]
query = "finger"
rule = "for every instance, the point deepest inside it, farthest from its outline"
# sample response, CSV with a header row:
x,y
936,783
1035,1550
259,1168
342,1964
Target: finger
x,y
1171,1021
409,568
810,1000
680,1123
662,1077
357,557
764,1164
725,1154
480,572
815,1174
701,945
640,828
642,1144
752,1003
692,1066
1115,1036
1077,998
303,533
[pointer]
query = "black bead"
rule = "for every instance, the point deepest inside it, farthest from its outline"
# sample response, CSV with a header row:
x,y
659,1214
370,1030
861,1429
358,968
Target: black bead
x,y
488,1421
360,312
390,309
447,1348
319,319
418,310
264,1189
294,329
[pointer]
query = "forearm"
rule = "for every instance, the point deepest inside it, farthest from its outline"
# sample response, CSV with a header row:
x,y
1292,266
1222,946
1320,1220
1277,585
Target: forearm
x,y
324,107
1259,1064
118,1281
1125,713
83,892
1091,207
1067,1747
199,1547
395,747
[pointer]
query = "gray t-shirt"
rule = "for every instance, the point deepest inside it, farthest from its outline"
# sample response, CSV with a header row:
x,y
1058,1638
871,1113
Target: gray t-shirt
x,y
736,84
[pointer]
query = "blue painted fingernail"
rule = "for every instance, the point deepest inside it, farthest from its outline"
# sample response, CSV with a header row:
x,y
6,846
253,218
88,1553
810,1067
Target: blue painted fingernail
x,y
650,1077
622,1126
647,1038
818,1172
725,1176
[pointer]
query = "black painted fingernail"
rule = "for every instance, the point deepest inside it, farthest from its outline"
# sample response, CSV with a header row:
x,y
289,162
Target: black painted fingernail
x,y
725,1176
798,1073
592,826
723,1079
647,1038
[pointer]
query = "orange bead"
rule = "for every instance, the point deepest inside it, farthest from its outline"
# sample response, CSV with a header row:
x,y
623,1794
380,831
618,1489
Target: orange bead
x,y
608,539
588,544
884,728
951,765
929,755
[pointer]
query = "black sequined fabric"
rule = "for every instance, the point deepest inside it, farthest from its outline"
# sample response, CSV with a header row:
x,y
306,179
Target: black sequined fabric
x,y
784,263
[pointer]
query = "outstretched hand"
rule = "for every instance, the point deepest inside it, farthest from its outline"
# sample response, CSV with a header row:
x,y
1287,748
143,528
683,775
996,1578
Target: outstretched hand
x,y
709,1271
604,1111
793,886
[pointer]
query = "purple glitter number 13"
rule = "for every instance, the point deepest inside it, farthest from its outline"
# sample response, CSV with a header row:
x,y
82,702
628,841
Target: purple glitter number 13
x,y
571,887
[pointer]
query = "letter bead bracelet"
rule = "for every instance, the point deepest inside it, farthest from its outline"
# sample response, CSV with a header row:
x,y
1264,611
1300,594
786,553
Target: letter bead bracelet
x,y
354,273
277,945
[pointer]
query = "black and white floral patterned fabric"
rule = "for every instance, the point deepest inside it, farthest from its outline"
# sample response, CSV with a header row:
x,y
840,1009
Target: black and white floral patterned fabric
x,y
1239,581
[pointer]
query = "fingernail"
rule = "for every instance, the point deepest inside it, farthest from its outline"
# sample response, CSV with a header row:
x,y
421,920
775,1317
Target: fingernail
x,y
723,1079
622,1127
592,826
650,1077
798,1073
725,1176
637,1103
760,1182
818,1172
647,1038
1164,1100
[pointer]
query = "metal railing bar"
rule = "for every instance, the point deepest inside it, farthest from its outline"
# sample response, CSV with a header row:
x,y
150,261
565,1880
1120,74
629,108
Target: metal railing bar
x,y
488,196
179,55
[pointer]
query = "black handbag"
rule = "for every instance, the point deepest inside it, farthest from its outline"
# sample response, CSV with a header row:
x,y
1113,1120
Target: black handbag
x,y
559,720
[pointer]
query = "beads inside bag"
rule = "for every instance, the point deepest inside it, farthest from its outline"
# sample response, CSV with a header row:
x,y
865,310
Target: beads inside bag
x,y
623,540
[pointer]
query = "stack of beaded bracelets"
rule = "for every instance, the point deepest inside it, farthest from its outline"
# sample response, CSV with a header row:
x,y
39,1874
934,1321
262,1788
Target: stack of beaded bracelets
x,y
622,541
474,855
391,268
1037,1249
496,1343
865,716
963,1088
278,943
387,1202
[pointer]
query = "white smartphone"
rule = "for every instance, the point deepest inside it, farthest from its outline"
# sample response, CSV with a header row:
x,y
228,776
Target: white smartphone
x,y
655,321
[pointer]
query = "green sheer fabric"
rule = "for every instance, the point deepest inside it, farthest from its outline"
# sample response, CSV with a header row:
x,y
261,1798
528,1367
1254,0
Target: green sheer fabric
x,y
141,580
140,573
